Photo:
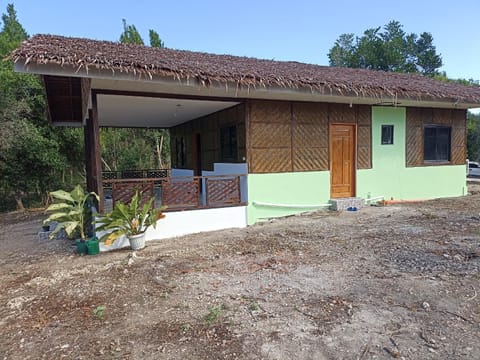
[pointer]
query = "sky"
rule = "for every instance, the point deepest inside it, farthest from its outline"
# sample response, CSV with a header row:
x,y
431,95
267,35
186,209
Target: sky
x,y
299,30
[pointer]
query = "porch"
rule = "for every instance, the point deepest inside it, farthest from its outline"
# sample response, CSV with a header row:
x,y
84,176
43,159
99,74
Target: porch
x,y
176,193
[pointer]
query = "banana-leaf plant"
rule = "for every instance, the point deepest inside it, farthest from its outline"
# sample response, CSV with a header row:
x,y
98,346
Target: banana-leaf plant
x,y
70,211
129,219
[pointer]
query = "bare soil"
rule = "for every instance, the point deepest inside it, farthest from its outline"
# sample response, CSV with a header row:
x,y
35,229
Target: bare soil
x,y
384,282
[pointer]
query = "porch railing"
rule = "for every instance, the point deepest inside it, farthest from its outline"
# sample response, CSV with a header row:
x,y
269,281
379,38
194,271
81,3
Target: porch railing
x,y
180,193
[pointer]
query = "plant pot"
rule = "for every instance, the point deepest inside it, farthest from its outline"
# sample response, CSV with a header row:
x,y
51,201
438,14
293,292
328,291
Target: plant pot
x,y
93,246
137,242
81,246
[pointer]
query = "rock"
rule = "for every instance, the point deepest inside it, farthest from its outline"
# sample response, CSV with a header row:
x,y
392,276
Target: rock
x,y
426,306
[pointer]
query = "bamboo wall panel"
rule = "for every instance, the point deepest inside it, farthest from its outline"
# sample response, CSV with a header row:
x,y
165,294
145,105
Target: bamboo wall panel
x,y
311,113
310,158
270,135
342,113
209,129
270,160
364,115
270,112
364,142
459,137
302,129
417,118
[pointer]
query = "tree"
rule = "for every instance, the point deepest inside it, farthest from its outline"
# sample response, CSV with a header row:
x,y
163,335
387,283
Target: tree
x,y
390,49
130,34
155,40
30,149
473,136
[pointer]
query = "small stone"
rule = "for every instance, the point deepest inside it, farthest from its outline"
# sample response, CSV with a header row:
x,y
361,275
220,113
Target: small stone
x,y
426,306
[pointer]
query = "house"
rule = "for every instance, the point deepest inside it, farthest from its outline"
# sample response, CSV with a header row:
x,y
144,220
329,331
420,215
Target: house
x,y
253,139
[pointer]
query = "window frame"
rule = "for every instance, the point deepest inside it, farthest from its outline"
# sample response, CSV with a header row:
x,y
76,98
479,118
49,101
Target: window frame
x,y
391,133
437,128
228,140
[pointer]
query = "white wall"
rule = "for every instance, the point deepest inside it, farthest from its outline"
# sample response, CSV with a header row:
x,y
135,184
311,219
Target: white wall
x,y
180,223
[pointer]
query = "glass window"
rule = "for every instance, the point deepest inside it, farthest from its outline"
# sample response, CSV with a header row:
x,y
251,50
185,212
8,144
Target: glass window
x,y
228,144
437,141
387,134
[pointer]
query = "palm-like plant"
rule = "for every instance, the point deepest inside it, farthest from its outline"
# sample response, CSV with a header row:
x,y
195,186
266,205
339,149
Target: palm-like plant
x,y
129,219
71,212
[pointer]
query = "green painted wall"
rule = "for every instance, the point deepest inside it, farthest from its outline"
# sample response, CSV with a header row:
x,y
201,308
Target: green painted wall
x,y
390,177
295,188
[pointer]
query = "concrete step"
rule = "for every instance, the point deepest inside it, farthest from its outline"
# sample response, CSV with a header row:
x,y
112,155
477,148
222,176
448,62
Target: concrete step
x,y
342,204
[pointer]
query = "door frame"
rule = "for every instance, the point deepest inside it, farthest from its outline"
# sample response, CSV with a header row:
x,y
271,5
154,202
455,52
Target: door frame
x,y
354,162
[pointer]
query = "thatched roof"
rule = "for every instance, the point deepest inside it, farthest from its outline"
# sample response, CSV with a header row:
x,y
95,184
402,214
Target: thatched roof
x,y
210,69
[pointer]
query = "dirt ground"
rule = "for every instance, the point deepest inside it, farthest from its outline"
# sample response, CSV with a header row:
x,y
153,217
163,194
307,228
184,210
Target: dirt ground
x,y
399,281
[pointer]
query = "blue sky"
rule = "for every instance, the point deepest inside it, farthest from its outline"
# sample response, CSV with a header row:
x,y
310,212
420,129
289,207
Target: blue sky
x,y
298,30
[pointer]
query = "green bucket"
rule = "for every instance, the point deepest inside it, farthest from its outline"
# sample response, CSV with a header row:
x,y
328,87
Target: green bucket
x,y
81,246
93,246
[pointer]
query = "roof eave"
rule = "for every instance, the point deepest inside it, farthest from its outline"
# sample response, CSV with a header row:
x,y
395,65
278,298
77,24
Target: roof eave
x,y
108,79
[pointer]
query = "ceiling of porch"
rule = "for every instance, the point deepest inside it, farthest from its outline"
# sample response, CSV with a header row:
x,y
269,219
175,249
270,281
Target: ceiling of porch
x,y
153,112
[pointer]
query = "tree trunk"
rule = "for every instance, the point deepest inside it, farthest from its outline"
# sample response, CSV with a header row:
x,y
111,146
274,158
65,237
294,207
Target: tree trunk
x,y
18,199
159,151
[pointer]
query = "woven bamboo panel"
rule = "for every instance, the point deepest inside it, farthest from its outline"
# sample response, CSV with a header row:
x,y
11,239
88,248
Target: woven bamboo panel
x,y
442,116
181,193
364,158
458,136
310,159
416,116
270,112
364,115
124,191
270,135
342,113
311,113
459,155
223,191
414,146
459,118
270,160
363,136
314,135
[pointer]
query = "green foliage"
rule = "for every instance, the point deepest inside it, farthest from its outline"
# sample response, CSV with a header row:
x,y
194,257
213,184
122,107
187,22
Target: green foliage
x,y
130,34
388,50
70,211
99,312
130,149
155,40
129,219
213,314
473,136
32,153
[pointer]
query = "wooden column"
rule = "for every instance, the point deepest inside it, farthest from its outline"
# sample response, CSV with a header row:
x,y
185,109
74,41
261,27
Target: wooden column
x,y
93,153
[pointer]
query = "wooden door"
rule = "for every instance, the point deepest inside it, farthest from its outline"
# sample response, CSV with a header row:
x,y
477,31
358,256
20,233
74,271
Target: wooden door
x,y
342,160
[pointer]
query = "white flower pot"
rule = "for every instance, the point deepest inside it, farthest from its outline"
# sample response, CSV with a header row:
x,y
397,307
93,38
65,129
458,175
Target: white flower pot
x,y
137,242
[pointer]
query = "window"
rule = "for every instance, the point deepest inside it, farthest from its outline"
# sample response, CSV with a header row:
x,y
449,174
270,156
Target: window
x,y
437,142
228,144
387,134
180,151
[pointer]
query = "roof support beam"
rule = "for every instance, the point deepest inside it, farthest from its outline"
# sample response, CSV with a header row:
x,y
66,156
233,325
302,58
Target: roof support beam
x,y
93,153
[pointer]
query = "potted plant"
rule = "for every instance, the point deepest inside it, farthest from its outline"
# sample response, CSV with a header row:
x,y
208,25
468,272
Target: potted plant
x,y
131,220
71,213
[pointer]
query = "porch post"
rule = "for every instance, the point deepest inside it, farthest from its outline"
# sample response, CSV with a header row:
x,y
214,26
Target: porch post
x,y
93,153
